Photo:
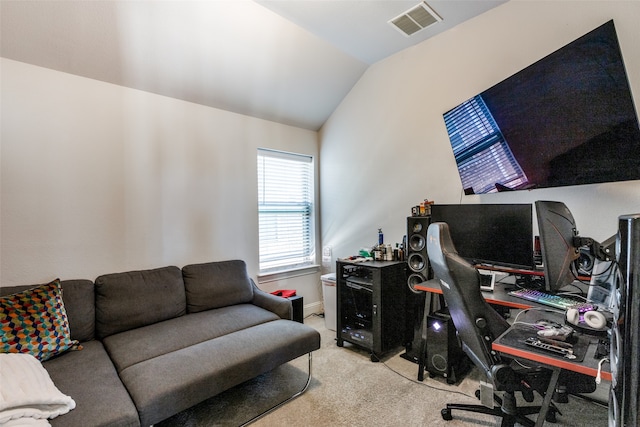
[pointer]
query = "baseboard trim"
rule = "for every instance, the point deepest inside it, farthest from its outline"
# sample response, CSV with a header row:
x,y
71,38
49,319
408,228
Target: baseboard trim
x,y
313,308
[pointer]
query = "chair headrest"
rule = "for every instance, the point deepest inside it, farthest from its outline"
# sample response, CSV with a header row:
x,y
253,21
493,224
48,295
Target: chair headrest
x,y
439,243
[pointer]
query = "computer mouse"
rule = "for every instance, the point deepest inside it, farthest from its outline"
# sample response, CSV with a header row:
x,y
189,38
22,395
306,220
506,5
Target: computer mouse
x,y
560,334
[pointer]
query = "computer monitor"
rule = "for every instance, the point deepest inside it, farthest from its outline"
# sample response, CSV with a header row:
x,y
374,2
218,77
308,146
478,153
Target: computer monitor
x,y
493,234
557,230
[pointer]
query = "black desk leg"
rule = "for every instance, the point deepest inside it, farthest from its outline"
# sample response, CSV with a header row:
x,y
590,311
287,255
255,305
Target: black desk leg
x,y
546,402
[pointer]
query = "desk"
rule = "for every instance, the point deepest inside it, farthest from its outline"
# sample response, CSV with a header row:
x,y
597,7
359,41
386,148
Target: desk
x,y
587,365
499,296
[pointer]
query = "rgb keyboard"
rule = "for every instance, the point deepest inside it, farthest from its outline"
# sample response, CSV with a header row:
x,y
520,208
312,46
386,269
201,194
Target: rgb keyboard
x,y
555,301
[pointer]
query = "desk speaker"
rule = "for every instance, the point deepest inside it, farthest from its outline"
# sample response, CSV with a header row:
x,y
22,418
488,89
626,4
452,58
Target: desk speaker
x,y
624,395
417,259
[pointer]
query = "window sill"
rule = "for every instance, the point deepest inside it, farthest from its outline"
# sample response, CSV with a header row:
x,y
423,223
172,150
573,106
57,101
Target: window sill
x,y
287,274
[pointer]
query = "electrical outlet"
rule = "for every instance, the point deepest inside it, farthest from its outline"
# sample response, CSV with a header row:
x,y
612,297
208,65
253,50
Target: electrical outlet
x,y
326,255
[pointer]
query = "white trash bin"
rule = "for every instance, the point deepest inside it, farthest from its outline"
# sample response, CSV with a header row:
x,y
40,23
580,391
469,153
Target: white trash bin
x,y
329,300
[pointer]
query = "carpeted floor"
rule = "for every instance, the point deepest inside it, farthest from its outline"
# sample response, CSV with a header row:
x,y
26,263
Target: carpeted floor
x,y
348,389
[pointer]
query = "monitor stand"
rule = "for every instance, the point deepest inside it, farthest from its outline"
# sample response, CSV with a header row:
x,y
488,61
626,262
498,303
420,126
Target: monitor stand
x,y
487,280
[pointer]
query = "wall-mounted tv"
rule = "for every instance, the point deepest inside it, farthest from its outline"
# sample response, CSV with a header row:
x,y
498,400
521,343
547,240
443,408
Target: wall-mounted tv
x,y
568,119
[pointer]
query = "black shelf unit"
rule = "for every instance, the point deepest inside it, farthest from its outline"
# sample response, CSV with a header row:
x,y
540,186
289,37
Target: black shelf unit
x,y
371,299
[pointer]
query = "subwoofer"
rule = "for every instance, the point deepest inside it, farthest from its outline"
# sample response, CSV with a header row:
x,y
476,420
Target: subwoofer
x,y
417,259
624,395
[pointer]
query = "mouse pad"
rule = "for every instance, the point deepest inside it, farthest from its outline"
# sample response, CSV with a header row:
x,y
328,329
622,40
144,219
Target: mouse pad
x,y
517,334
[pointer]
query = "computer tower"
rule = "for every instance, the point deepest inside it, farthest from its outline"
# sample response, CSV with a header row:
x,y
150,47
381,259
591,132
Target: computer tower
x,y
624,397
444,355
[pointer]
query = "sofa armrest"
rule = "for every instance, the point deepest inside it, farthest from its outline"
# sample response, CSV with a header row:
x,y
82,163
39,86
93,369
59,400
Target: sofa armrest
x,y
278,305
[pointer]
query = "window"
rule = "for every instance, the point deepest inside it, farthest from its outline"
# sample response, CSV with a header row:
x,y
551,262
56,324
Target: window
x,y
484,159
285,210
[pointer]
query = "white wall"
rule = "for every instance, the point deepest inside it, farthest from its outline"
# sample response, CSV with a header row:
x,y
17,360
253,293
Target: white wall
x,y
97,178
386,148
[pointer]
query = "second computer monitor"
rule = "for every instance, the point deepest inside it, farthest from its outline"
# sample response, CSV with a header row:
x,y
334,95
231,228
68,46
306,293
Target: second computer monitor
x,y
557,230
495,234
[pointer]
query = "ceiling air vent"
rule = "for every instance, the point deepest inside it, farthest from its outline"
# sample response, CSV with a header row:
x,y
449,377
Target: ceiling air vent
x,y
415,19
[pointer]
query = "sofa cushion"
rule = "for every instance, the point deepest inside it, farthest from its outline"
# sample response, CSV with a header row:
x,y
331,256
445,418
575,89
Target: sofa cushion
x,y
137,345
89,377
216,284
196,373
138,298
79,302
35,322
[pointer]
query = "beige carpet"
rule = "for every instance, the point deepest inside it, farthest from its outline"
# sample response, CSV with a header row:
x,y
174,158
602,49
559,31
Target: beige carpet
x,y
348,389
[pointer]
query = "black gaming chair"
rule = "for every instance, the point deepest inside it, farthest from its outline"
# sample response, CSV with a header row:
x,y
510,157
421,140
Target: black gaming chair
x,y
478,324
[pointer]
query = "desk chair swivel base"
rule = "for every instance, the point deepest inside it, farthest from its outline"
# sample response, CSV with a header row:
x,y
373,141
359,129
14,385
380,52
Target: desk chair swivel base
x,y
507,410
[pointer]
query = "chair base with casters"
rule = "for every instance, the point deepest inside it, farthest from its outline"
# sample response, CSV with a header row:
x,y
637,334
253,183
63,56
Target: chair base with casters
x,y
506,409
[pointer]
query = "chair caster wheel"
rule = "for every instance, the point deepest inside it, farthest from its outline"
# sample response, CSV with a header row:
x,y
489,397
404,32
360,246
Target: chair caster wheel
x,y
446,414
551,417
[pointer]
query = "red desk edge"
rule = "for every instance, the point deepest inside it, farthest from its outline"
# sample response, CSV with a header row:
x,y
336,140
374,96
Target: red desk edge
x,y
486,295
536,357
541,358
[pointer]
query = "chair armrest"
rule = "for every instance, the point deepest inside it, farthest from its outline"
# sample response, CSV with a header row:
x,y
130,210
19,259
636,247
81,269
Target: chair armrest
x,y
278,305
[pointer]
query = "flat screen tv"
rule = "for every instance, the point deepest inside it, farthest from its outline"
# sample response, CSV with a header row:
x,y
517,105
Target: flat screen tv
x,y
568,119
493,234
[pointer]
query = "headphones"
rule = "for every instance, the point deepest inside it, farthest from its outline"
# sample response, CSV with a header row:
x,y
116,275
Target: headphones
x,y
595,321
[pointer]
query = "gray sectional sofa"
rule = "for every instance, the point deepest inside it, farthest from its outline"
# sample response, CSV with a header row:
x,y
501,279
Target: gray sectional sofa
x,y
156,342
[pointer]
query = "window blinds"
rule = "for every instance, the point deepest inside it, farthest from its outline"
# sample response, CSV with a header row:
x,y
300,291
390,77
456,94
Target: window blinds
x,y
483,156
285,210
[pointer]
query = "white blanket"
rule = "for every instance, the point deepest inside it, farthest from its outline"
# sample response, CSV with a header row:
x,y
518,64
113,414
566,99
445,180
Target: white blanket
x,y
28,397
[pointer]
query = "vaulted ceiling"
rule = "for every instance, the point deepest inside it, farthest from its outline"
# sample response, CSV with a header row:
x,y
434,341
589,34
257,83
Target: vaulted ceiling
x,y
287,61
